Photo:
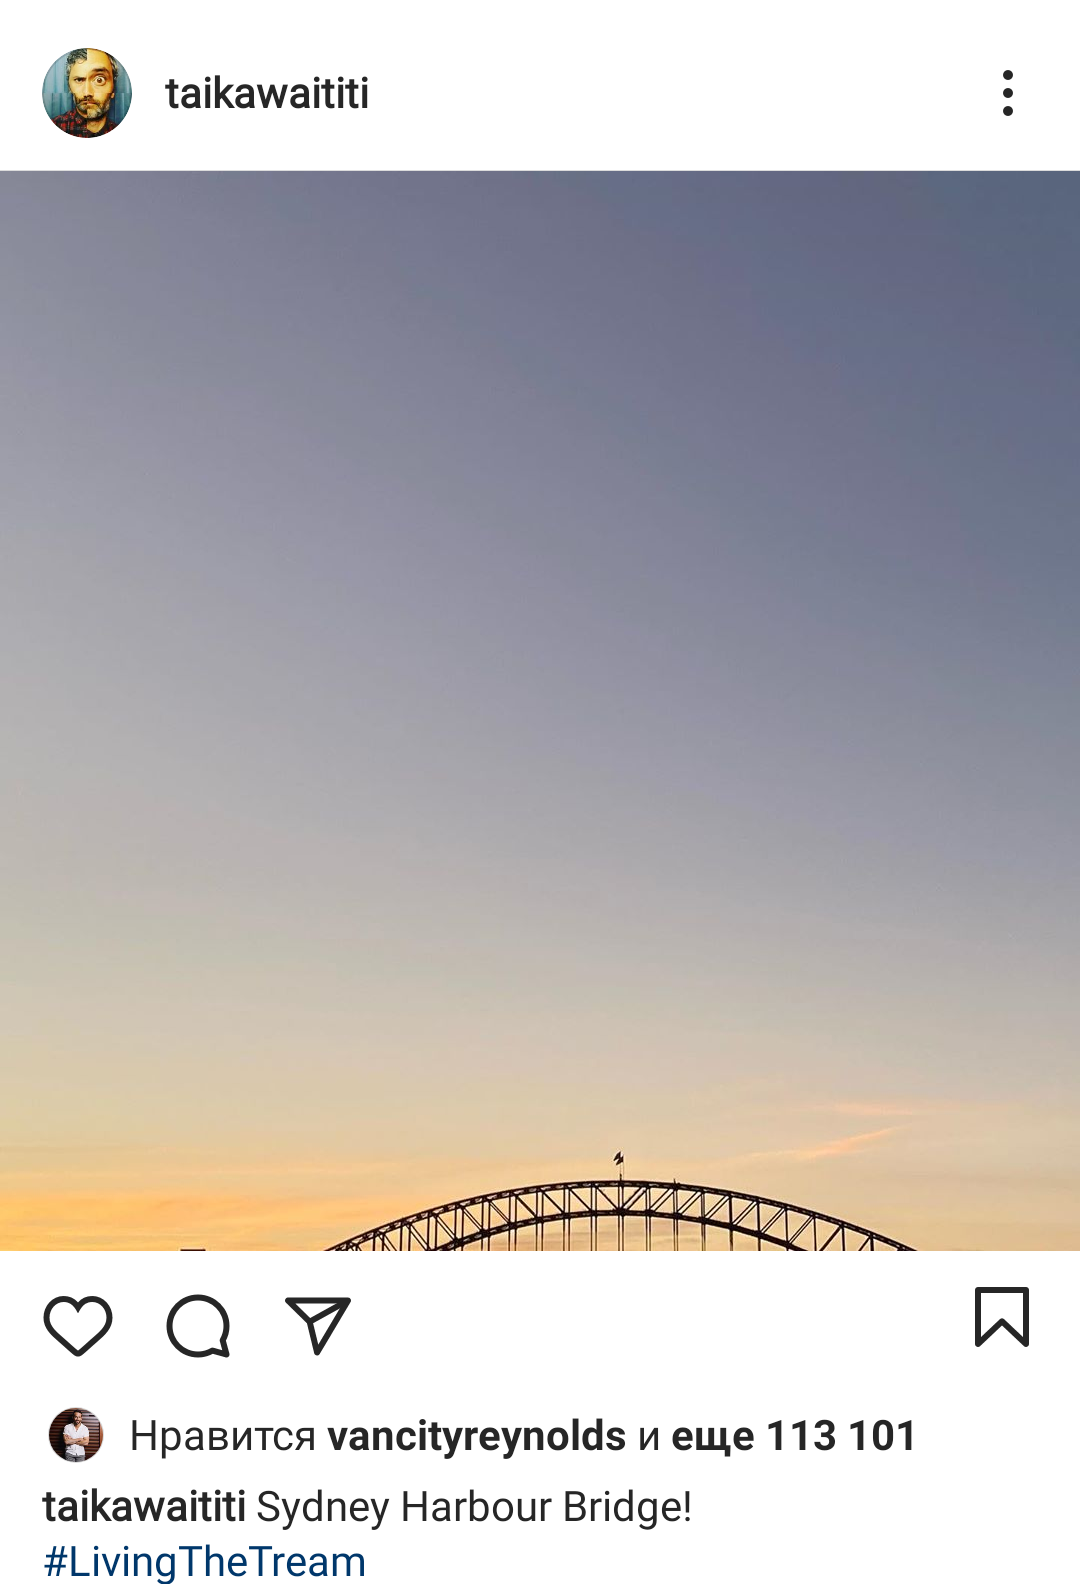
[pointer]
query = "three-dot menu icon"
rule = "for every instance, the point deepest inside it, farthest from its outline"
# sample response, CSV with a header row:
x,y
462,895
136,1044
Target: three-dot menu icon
x,y
1007,93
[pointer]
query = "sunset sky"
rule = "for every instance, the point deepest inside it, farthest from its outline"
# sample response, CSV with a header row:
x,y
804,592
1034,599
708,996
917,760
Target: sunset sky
x,y
499,669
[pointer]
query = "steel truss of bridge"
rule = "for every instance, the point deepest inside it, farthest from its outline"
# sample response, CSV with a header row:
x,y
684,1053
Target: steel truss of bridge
x,y
592,1215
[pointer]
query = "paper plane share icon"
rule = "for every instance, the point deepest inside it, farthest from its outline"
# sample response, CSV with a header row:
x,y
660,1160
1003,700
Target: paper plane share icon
x,y
322,1315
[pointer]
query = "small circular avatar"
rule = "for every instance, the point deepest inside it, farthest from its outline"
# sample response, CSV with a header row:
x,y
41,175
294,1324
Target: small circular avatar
x,y
86,93
75,1434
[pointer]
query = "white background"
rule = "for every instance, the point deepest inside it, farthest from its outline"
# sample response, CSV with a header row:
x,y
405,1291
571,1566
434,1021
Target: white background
x,y
573,85
983,1503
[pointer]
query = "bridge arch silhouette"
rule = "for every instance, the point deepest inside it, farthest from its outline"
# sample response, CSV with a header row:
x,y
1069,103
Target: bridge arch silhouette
x,y
619,1216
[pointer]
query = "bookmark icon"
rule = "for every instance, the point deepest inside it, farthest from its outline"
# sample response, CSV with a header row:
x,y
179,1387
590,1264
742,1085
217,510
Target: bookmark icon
x,y
322,1315
1005,1308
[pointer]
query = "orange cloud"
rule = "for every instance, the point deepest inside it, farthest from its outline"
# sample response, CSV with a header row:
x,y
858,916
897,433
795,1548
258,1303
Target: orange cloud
x,y
841,1148
845,1145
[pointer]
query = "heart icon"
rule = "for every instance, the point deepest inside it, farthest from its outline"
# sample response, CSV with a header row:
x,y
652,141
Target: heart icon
x,y
76,1350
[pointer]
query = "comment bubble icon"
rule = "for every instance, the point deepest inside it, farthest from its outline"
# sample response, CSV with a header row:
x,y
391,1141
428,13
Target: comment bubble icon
x,y
198,1327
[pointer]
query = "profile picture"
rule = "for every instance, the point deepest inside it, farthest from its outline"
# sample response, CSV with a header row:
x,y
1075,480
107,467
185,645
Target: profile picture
x,y
75,1434
87,93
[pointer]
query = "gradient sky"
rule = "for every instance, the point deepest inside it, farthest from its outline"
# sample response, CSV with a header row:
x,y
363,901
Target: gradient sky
x,y
498,669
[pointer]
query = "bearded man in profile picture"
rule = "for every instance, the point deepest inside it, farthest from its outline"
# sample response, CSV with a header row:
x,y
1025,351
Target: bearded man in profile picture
x,y
76,1435
91,78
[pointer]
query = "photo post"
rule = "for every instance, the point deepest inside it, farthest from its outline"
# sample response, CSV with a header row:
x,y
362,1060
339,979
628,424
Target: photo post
x,y
539,613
